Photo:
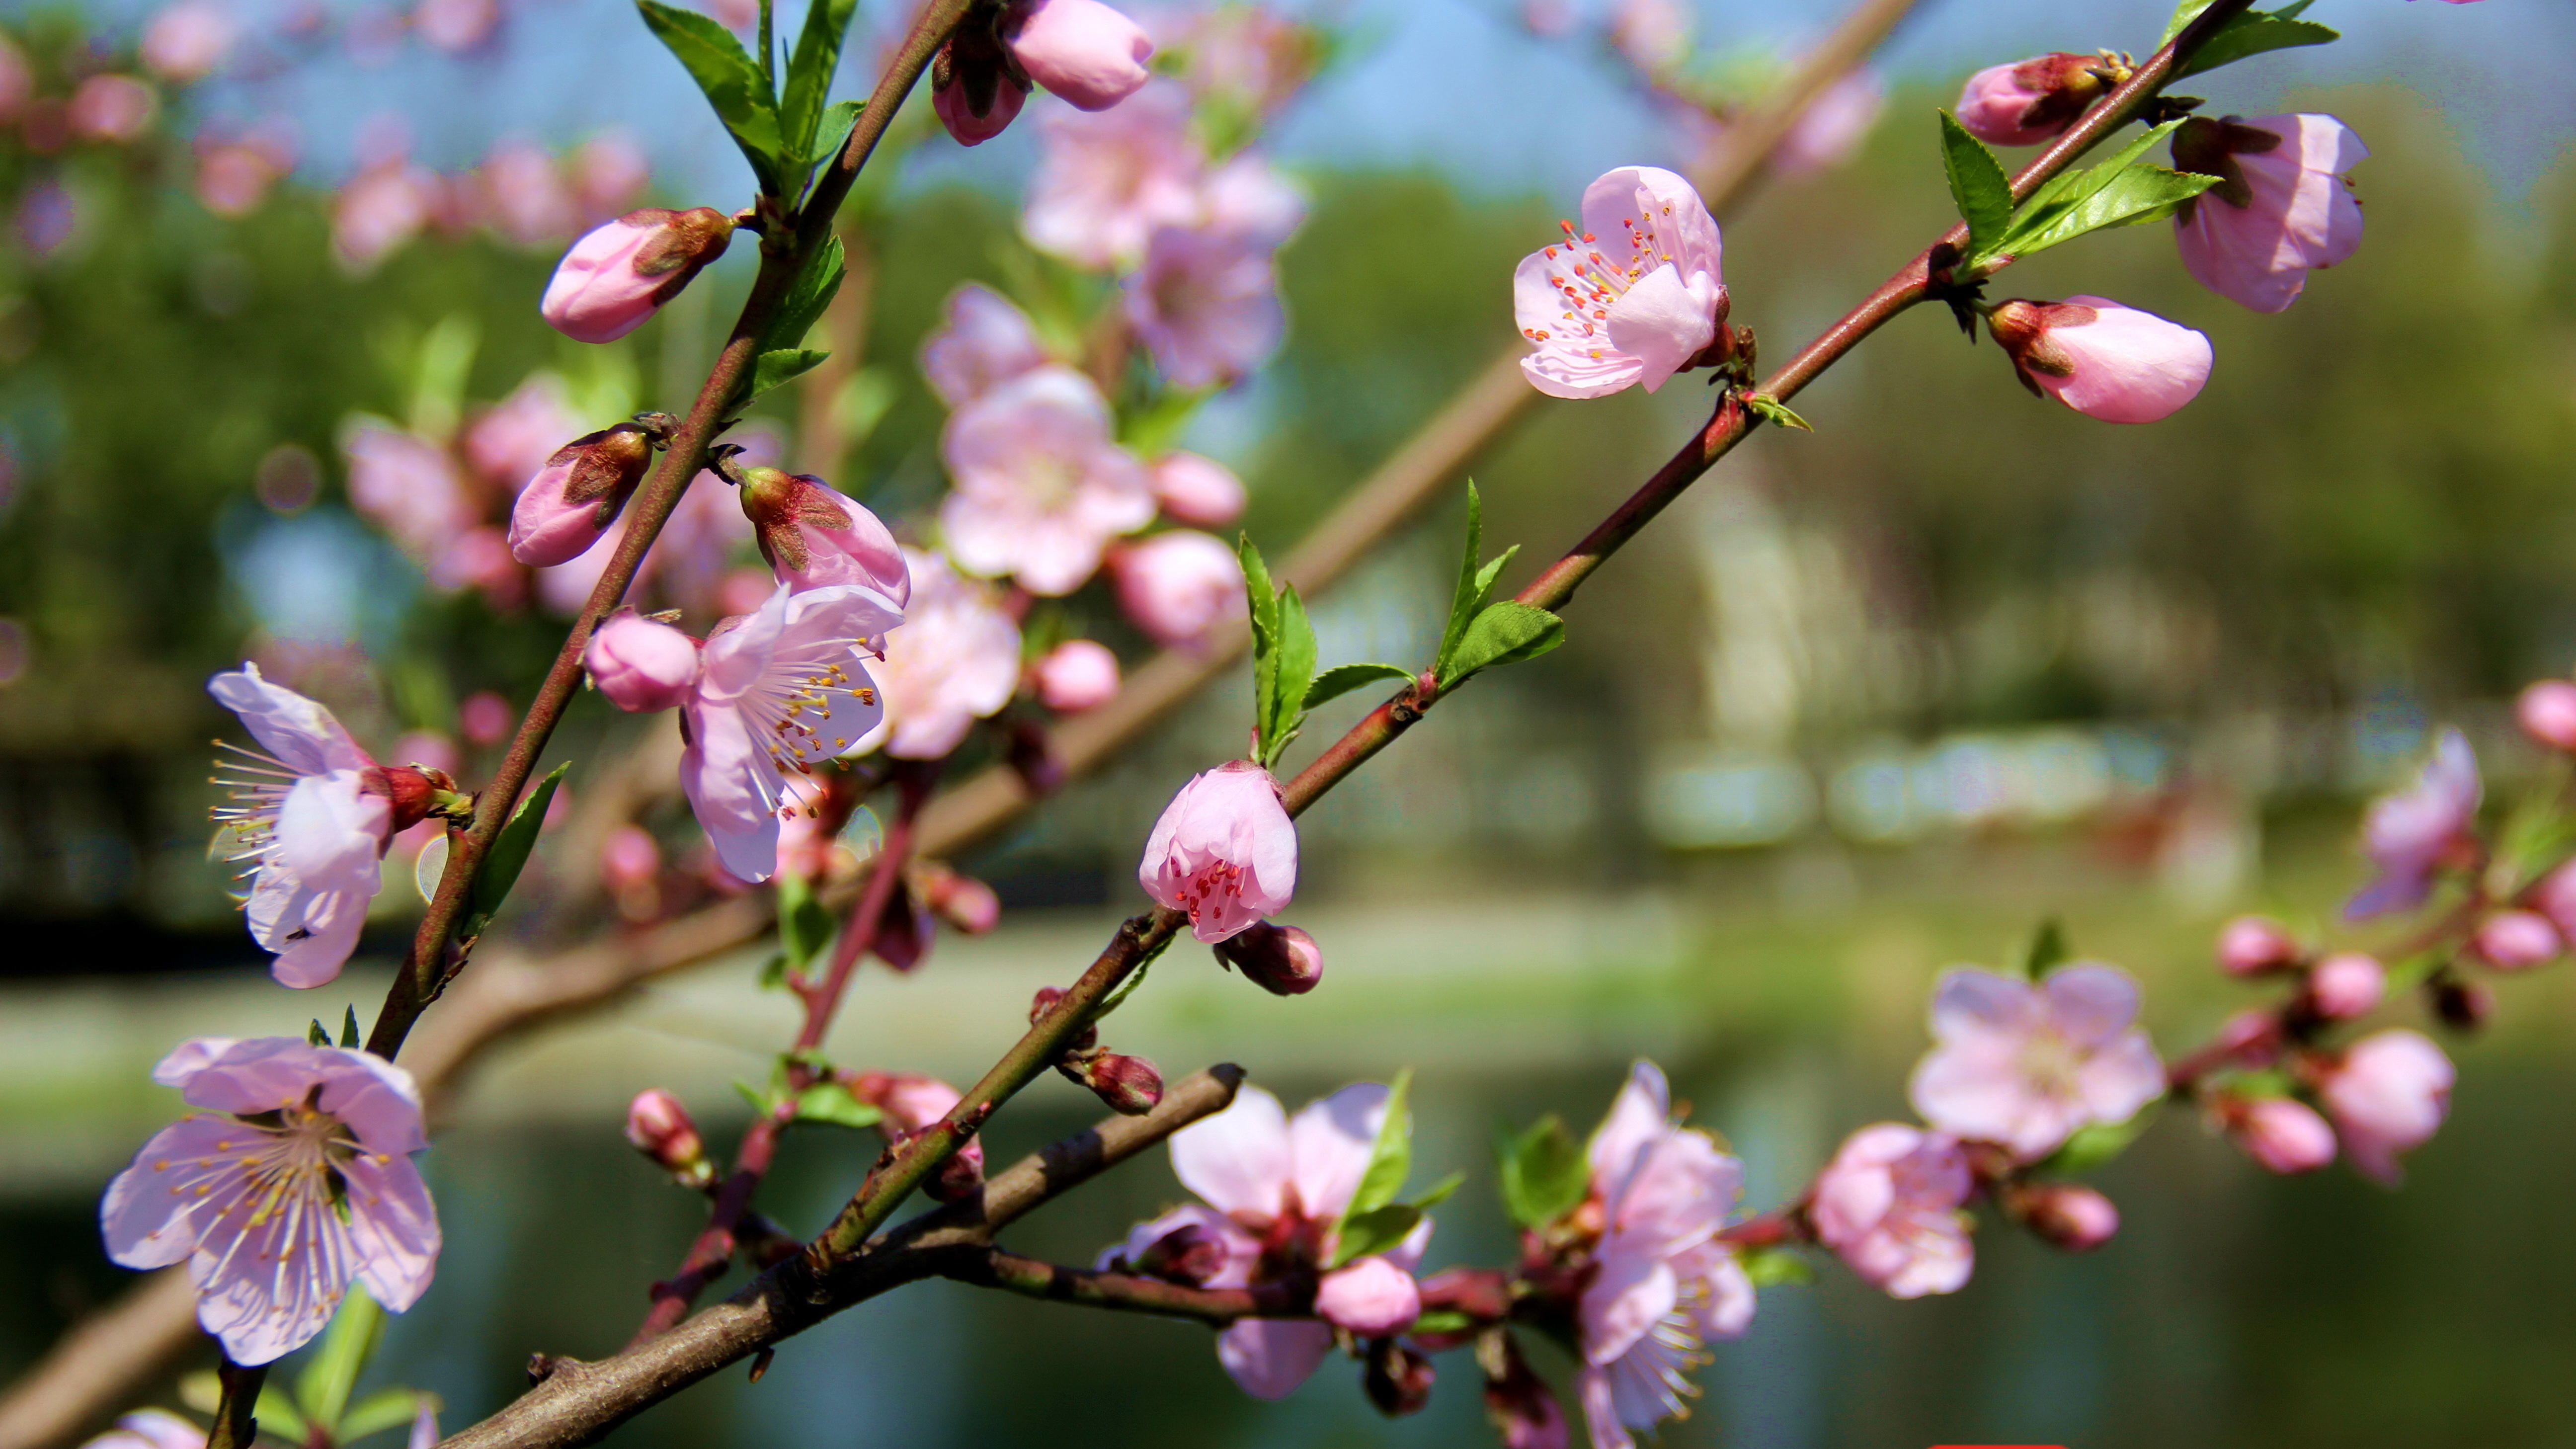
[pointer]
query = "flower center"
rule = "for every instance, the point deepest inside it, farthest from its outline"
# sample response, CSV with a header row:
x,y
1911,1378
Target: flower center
x,y
790,704
290,1163
256,783
2052,1065
1591,284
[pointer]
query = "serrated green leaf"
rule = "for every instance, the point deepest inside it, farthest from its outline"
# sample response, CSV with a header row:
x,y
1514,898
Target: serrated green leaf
x,y
2139,193
508,856
1977,184
1341,679
2253,33
807,300
1373,1231
834,132
314,1035
1468,599
810,69
1261,602
2184,14
1543,1173
2094,1145
1488,575
1390,1156
2047,950
1775,1267
730,79
349,1027
1776,412
1505,633
831,1102
384,1409
322,1390
1292,676
784,365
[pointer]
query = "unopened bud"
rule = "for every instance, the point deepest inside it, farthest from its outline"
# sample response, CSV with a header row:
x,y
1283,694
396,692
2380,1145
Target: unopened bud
x,y
1128,1086
2068,1215
965,903
1189,1254
1281,960
1075,675
2283,1134
1520,1404
2027,102
582,488
620,274
411,795
2462,1004
813,535
2250,1036
2547,712
2346,984
2516,940
660,1129
2101,358
2252,945
1398,1379
973,88
641,664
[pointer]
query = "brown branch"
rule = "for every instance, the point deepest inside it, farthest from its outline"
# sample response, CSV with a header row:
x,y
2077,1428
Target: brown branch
x,y
1122,1292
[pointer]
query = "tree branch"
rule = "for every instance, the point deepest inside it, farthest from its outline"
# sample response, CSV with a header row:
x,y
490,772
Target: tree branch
x,y
1123,1292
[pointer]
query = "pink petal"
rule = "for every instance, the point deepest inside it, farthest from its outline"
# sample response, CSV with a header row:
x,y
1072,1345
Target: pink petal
x,y
1632,1294
1238,1160
2090,1002
1371,1297
146,1215
1270,1357
1638,1115
393,1229
719,774
2130,366
1662,322
1970,1002
304,736
1329,1141
329,831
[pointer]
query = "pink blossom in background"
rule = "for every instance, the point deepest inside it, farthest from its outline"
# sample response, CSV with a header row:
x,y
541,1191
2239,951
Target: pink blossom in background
x,y
985,342
1200,492
2547,712
485,718
525,196
2067,1215
2283,1134
1224,851
292,1178
1664,1287
1178,585
1629,299
1107,180
456,26
734,14
2281,207
1244,55
630,859
514,437
2411,834
2555,898
1834,126
187,40
2347,984
1248,198
407,486
2516,940
608,173
2251,945
1550,19
304,815
479,558
48,217
1655,35
2388,1094
381,210
2025,1063
1081,50
115,108
1041,484
1206,305
234,176
955,660
1076,675
17,81
641,664
1889,1205
2103,359
799,654
619,274
151,1429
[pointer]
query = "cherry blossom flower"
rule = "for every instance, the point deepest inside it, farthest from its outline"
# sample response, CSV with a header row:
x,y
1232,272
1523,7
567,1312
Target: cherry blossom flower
x,y
580,489
1246,56
985,342
1224,851
234,176
111,107
1275,1189
187,40
516,436
1206,304
1041,484
1889,1203
2387,1093
1834,125
2412,834
1655,35
2281,206
620,274
2547,712
2025,1063
525,197
456,26
409,487
151,1429
1200,492
381,209
2283,1134
1076,675
293,1178
2029,101
641,664
955,660
608,173
1663,1287
2102,359
1629,299
1178,585
778,691
1107,180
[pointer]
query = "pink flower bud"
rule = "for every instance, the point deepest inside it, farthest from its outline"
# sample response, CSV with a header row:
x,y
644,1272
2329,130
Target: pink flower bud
x,y
1076,675
582,488
2547,712
1398,1380
2029,101
1178,585
641,664
2066,1214
972,90
1081,50
1128,1086
2555,897
112,108
2282,1133
2346,984
2103,359
2516,940
2388,1094
187,40
620,274
1281,960
911,1102
965,903
2252,945
660,1129
1371,1297
814,536
629,859
1200,492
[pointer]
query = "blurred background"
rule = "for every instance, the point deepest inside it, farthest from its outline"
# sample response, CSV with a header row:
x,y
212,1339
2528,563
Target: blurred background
x,y
1867,703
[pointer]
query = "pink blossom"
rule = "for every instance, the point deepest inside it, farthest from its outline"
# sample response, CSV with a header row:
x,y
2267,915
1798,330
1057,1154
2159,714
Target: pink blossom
x,y
424,1425
314,815
1834,125
1246,56
1076,675
295,1177
1889,1205
2025,1063
2281,206
151,1429
629,860
2346,984
1179,585
485,717
1107,180
985,342
1224,851
527,199
2516,940
815,536
2555,897
1663,1287
233,177
2411,834
912,1102
1655,35
1041,484
641,664
456,26
1081,50
112,108
2283,1134
608,173
1200,492
579,489
2102,359
2547,712
661,1129
620,274
2028,101
1206,305
770,686
955,660
1247,198
187,40
2252,945
1631,298
2387,1094
379,211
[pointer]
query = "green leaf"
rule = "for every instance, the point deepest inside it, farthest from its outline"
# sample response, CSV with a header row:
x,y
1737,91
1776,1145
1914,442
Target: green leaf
x,y
809,76
1153,429
2048,949
2253,33
1977,184
2137,194
314,1035
278,1417
1505,633
832,1103
834,133
1469,600
508,856
349,1027
1543,1173
805,925
2097,1144
322,1390
1439,1192
784,365
1341,679
1390,1156
1439,1321
1262,603
760,1101
731,80
1773,1267
1776,412
2184,14
1293,674
806,301
384,1409
1373,1231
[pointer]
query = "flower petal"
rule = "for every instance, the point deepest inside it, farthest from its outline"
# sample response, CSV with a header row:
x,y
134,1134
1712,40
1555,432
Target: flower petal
x,y
1329,1143
1238,1160
1270,1357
